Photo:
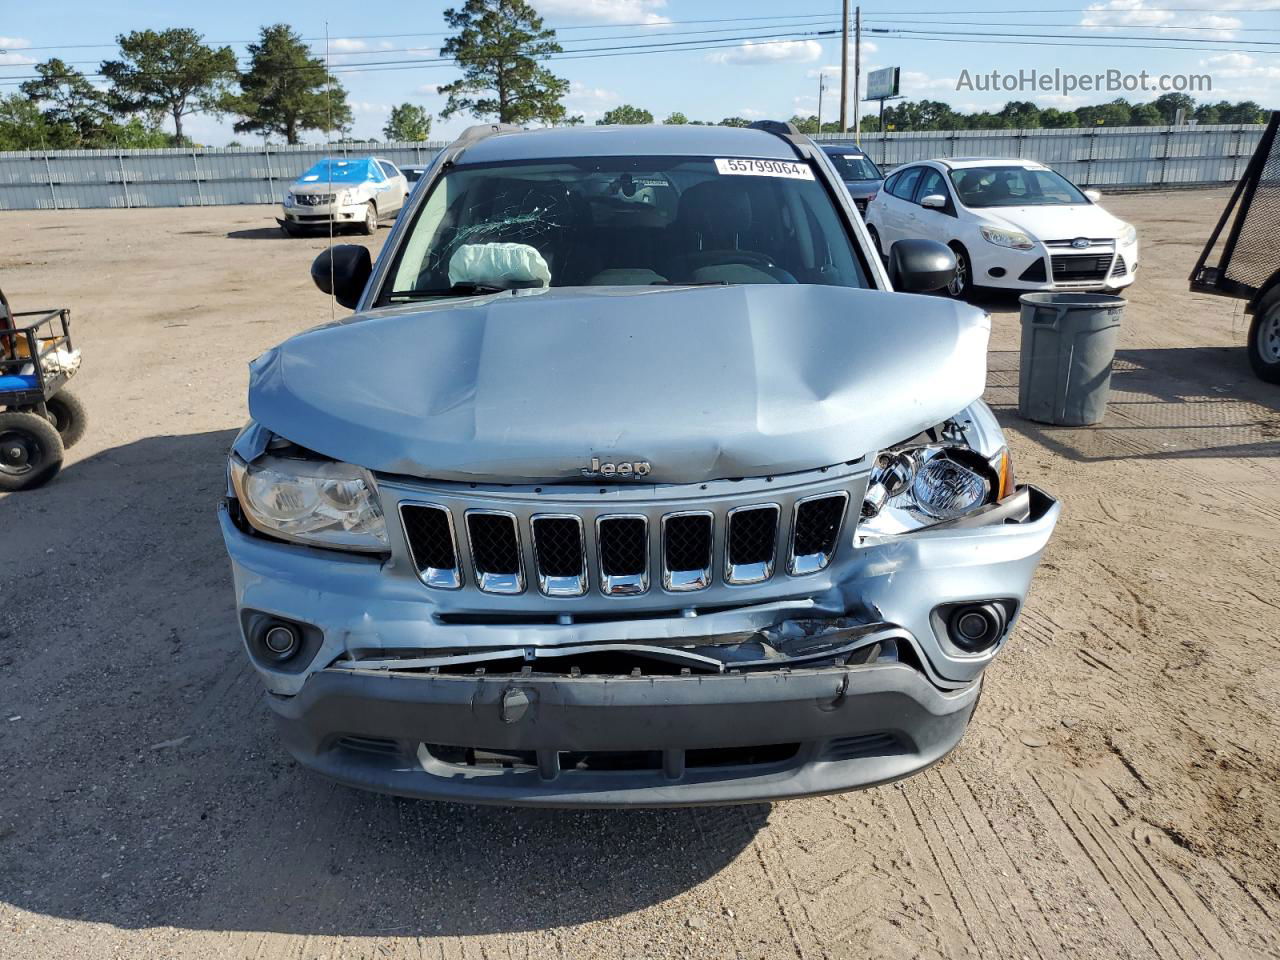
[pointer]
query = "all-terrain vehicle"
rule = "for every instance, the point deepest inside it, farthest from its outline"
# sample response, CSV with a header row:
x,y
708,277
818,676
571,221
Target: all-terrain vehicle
x,y
39,417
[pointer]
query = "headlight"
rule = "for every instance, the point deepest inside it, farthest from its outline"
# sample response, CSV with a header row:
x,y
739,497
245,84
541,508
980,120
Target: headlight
x,y
1128,236
1007,238
319,502
913,487
288,199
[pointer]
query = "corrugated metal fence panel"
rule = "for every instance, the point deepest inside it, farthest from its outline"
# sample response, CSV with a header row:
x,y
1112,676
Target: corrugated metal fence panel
x,y
1106,156
73,179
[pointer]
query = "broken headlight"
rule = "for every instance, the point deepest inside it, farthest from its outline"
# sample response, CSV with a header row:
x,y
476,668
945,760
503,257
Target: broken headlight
x,y
917,485
319,502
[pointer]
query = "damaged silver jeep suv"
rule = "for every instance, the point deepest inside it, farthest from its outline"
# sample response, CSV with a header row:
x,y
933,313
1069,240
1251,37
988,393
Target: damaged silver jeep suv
x,y
630,481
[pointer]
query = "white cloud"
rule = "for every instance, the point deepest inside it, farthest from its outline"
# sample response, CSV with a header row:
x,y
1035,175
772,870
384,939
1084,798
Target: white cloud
x,y
833,69
9,57
910,81
751,53
591,102
364,106
603,11
1246,78
750,113
1118,14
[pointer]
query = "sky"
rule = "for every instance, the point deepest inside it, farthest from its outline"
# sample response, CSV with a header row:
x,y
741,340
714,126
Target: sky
x,y
764,64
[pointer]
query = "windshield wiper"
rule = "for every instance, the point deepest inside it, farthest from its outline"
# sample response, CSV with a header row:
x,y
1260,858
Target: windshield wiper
x,y
690,283
464,289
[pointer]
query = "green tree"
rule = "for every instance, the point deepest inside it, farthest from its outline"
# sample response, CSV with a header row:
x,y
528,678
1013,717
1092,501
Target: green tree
x,y
1246,111
1020,115
1056,119
168,72
676,119
497,47
408,121
286,90
806,125
73,112
1168,105
1209,112
625,115
1147,115
734,122
1113,114
22,125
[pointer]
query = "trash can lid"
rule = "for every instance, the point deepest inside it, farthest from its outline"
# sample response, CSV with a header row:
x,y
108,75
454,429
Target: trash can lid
x,y
1078,301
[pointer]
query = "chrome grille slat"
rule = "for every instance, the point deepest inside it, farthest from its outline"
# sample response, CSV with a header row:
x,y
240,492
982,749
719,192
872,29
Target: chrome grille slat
x,y
687,546
815,534
561,555
429,531
751,543
495,551
623,544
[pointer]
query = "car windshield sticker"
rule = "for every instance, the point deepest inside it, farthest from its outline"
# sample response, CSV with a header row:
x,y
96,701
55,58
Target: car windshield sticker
x,y
765,168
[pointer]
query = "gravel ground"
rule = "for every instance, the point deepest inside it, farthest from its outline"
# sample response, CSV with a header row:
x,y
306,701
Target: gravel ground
x,y
1117,795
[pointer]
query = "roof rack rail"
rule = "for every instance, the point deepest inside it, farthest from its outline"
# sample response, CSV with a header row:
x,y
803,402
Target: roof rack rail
x,y
784,129
473,135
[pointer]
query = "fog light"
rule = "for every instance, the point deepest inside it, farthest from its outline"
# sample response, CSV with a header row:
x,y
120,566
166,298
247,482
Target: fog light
x,y
974,627
280,641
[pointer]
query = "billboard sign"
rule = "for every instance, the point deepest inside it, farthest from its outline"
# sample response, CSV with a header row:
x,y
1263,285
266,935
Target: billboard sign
x,y
882,84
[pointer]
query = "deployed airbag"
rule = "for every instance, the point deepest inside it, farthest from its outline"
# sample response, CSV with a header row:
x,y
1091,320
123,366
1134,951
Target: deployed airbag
x,y
513,265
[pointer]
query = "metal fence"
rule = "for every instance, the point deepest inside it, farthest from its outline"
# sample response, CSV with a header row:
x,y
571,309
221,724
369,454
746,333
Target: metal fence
x,y
1129,157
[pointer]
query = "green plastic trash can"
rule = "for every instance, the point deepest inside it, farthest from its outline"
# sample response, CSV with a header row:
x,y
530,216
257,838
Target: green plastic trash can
x,y
1068,343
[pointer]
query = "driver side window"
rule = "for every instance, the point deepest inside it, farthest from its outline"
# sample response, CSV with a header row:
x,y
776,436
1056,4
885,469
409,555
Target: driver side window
x,y
906,184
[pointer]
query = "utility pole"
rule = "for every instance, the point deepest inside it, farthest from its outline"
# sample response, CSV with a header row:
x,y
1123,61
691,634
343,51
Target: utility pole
x,y
844,69
822,80
857,75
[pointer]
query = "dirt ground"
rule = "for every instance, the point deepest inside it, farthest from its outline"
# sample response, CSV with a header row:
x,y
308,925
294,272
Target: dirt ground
x,y
1118,795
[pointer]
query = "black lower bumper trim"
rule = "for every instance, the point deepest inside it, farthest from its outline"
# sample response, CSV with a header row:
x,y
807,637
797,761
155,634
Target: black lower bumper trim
x,y
567,741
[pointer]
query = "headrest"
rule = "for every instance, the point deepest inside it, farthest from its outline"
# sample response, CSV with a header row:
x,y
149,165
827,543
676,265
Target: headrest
x,y
716,205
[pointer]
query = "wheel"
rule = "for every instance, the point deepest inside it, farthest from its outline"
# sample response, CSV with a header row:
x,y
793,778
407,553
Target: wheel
x,y
1264,343
961,285
288,229
68,416
875,241
370,225
30,451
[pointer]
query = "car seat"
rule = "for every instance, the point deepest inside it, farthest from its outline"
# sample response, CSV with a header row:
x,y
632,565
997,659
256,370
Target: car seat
x,y
711,220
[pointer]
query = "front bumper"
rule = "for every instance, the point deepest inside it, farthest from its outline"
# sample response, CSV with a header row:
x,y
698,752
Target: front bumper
x,y
841,726
622,741
1032,270
323,214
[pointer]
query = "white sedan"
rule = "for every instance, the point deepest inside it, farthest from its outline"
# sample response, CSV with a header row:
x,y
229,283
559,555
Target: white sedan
x,y
345,192
1013,224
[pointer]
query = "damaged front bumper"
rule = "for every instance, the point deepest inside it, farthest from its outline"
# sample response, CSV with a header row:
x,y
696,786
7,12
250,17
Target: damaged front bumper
x,y
851,684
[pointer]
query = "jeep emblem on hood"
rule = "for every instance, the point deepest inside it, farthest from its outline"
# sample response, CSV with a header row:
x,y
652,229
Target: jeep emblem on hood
x,y
627,468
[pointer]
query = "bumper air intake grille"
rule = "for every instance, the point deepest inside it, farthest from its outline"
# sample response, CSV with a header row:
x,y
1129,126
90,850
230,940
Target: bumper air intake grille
x,y
1034,273
1086,266
686,551
753,541
817,530
1120,268
429,531
558,548
495,551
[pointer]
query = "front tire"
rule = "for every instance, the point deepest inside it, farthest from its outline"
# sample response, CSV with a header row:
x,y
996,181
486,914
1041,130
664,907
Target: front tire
x,y
370,225
30,451
961,286
875,241
1264,342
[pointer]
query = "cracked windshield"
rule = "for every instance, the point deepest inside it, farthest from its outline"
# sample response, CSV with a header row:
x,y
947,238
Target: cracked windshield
x,y
643,221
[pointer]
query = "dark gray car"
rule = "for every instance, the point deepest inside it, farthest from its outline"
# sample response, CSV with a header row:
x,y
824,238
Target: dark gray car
x,y
861,177
631,481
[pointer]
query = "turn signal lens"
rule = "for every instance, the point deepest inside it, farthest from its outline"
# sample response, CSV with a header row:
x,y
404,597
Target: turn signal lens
x,y
1002,463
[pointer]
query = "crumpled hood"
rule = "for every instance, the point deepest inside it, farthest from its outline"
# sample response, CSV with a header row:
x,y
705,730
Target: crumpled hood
x,y
1057,221
703,383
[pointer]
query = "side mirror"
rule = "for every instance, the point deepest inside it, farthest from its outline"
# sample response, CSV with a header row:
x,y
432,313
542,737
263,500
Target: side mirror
x,y
921,266
343,272
934,201
1093,195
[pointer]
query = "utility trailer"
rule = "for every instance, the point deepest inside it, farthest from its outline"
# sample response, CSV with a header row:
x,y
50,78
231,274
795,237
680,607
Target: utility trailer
x,y
1246,265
